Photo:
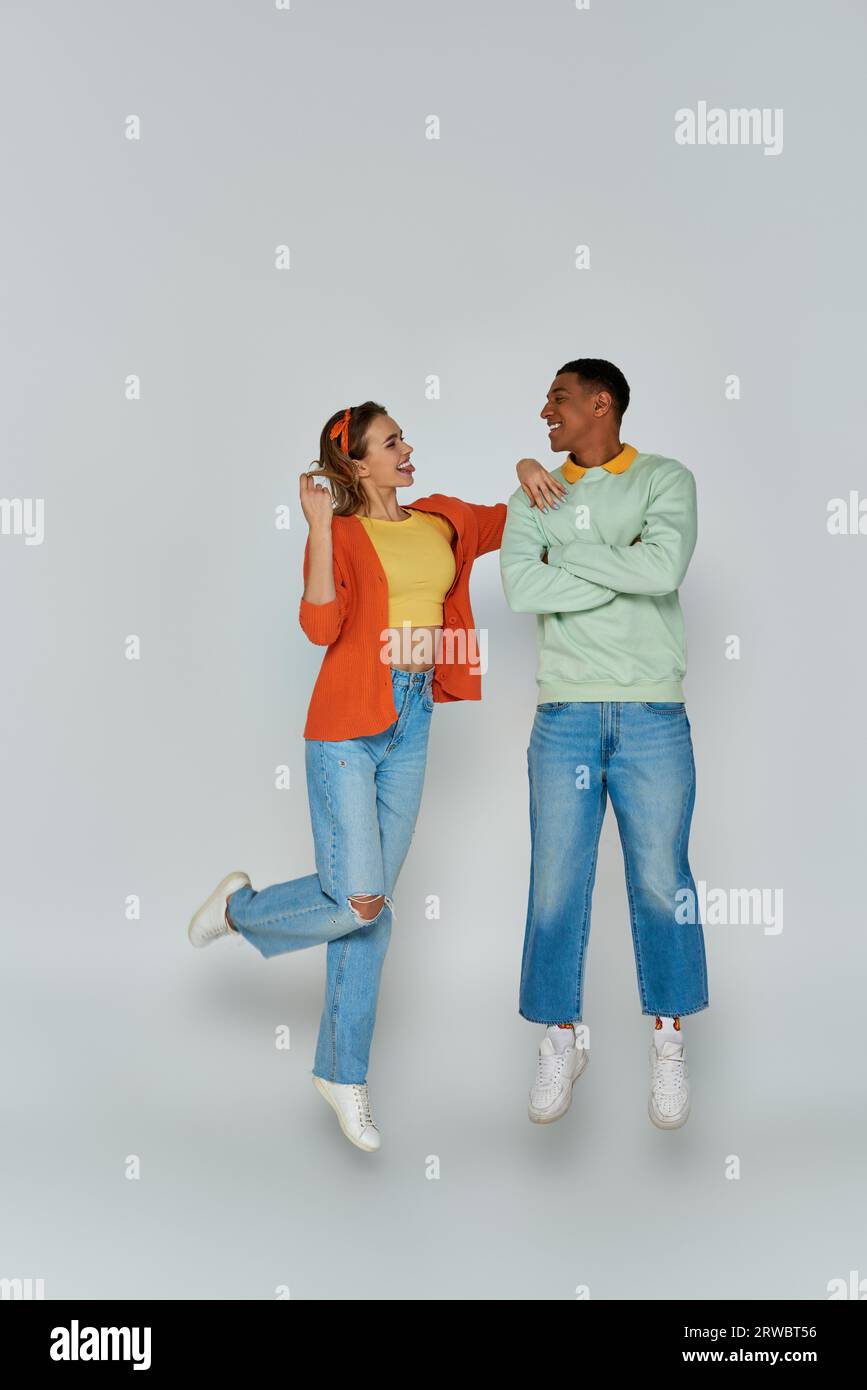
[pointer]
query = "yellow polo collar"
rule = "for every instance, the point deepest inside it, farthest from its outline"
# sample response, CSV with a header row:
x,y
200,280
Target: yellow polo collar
x,y
572,471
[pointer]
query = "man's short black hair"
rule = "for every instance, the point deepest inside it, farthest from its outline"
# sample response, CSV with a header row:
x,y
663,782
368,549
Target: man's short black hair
x,y
596,373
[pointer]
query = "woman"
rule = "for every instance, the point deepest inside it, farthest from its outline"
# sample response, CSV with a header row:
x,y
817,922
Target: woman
x,y
386,592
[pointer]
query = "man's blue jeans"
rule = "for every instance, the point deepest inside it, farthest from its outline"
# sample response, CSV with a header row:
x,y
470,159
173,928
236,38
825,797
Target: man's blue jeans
x,y
364,796
641,754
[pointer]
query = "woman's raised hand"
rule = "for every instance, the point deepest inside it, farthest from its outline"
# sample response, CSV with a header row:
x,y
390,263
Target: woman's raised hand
x,y
540,486
316,503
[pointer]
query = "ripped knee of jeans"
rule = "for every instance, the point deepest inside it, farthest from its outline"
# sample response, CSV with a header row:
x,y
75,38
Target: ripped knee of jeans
x,y
366,907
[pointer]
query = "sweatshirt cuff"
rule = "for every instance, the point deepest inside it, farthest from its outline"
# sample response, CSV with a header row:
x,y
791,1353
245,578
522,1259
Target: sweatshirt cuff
x,y
555,554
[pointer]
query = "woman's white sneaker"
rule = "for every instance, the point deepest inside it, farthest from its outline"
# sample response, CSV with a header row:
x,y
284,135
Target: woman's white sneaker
x,y
209,922
668,1105
351,1104
556,1074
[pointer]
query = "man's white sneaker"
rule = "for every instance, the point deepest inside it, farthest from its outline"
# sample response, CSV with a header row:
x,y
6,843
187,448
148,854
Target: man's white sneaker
x,y
668,1105
556,1074
210,920
351,1104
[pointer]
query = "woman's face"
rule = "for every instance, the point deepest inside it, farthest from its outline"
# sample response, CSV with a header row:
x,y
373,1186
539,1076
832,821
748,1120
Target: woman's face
x,y
386,463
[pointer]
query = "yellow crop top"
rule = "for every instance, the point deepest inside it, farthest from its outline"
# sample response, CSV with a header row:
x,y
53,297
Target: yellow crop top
x,y
419,565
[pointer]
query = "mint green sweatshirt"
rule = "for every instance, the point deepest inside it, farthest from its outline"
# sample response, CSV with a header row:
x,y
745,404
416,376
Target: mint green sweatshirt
x,y
609,619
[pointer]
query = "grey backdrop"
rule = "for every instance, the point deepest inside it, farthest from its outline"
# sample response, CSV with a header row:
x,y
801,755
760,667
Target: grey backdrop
x,y
411,257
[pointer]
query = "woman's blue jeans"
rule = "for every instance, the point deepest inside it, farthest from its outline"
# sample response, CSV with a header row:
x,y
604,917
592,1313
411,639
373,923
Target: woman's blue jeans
x,y
639,753
364,796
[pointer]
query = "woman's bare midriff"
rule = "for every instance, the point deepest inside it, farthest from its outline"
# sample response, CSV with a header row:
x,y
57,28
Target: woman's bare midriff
x,y
430,636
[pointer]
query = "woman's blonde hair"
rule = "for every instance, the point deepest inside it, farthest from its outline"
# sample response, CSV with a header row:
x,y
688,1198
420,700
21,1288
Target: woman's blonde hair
x,y
339,466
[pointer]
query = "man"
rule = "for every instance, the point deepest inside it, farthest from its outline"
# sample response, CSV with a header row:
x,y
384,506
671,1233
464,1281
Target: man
x,y
601,566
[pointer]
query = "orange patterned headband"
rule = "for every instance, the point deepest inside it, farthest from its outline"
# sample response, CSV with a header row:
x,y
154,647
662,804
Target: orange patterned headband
x,y
342,428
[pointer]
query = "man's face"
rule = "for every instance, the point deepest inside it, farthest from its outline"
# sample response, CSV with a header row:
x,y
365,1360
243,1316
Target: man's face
x,y
571,411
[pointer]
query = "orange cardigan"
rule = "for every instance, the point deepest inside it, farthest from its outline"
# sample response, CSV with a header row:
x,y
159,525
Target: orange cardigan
x,y
352,697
